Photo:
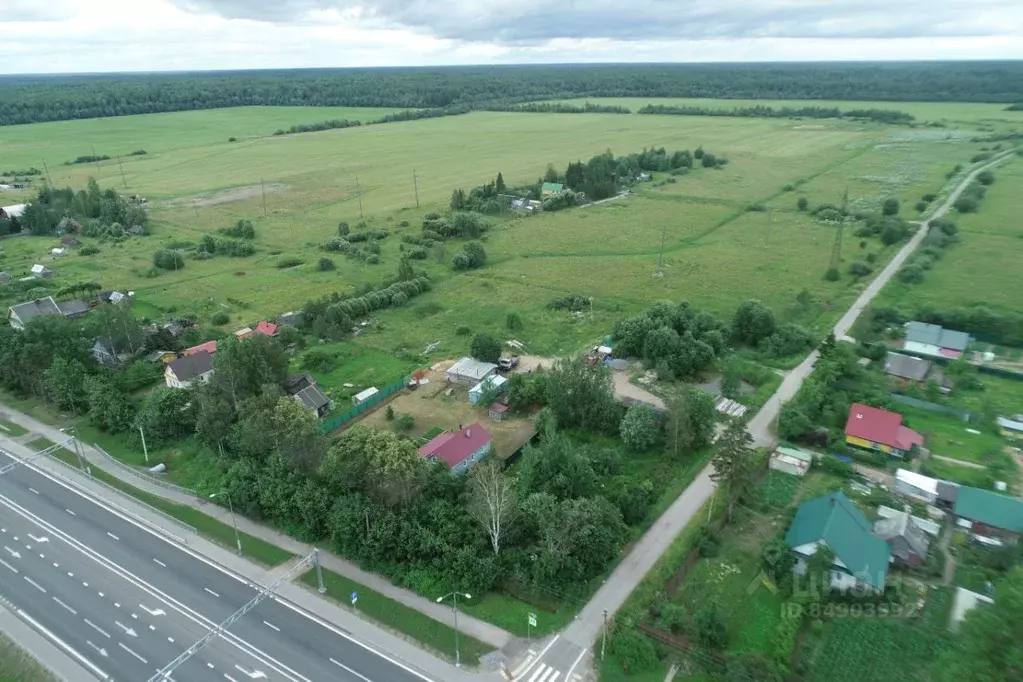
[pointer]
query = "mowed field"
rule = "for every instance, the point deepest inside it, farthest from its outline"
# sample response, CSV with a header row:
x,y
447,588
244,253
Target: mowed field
x,y
716,250
985,268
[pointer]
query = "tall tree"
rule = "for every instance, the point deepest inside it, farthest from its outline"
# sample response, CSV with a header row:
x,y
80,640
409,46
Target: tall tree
x,y
117,322
109,409
500,183
639,429
65,384
690,420
241,368
485,348
580,395
753,322
491,500
405,270
733,461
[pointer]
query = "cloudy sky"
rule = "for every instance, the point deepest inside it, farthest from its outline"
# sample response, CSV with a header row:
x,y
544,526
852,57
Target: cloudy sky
x,y
58,36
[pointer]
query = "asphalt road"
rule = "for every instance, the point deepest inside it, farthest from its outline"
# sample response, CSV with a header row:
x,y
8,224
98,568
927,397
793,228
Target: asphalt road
x,y
124,601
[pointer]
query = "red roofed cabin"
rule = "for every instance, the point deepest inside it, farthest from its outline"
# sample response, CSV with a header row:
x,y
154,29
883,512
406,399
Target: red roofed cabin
x,y
209,347
266,328
876,429
460,451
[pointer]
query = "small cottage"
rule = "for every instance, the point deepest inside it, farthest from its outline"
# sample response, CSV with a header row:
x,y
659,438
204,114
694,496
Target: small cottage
x,y
459,451
188,369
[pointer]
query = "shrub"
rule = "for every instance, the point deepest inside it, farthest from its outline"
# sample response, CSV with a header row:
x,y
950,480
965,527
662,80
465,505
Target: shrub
x,y
389,413
343,229
220,318
89,250
966,205
985,177
890,207
832,275
921,206
405,422
243,229
399,299
325,264
860,269
418,253
168,260
232,139
485,348
911,274
871,257
930,197
288,262
513,321
708,160
373,259
462,330
403,223
633,650
802,203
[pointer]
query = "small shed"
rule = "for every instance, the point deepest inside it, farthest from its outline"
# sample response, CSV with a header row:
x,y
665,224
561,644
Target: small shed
x,y
498,411
495,381
470,371
58,253
1008,428
243,333
362,396
41,271
791,460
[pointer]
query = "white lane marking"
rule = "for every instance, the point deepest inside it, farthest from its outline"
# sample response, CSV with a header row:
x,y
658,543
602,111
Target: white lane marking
x,y
153,628
135,616
62,644
160,562
97,628
102,652
85,584
16,555
271,626
209,665
116,605
342,665
41,539
127,630
229,678
253,674
34,584
152,612
170,639
119,571
71,512
525,668
8,565
33,490
539,671
211,592
164,536
121,644
41,555
101,594
70,574
554,677
56,565
113,536
65,606
582,653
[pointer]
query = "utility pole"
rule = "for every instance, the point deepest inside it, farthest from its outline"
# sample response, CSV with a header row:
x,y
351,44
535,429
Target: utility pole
x,y
144,450
660,255
95,160
415,183
195,207
358,190
47,169
263,188
122,171
836,249
770,219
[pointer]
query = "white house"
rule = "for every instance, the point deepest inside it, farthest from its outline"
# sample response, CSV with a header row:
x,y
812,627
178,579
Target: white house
x,y
188,369
470,371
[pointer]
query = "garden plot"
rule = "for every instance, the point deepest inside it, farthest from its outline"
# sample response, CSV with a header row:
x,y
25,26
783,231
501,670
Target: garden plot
x,y
446,406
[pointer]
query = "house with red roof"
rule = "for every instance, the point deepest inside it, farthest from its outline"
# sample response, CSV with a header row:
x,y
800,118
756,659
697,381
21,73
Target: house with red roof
x,y
461,450
266,328
876,429
209,347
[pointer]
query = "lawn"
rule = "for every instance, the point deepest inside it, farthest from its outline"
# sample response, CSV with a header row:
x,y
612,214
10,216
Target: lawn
x,y
950,437
9,428
16,665
40,443
947,471
398,617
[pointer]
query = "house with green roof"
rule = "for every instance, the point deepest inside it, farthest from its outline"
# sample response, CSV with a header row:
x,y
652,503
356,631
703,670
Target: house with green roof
x,y
833,521
551,189
988,515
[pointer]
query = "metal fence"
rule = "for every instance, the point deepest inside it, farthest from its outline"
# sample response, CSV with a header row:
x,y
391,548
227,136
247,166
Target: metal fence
x,y
366,405
119,493
145,475
932,407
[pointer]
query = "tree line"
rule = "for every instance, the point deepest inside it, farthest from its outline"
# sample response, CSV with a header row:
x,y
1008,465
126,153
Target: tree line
x,y
761,111
91,211
34,99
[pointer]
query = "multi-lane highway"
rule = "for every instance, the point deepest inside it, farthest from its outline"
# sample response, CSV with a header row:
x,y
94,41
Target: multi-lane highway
x,y
124,601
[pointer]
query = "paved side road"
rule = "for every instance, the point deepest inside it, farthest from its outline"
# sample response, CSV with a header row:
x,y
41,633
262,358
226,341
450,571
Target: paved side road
x,y
577,639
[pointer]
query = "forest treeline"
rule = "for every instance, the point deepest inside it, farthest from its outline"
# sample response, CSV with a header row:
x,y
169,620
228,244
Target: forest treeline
x,y
880,115
32,99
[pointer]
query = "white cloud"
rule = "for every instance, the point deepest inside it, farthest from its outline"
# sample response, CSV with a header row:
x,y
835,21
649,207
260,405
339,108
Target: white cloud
x,y
157,35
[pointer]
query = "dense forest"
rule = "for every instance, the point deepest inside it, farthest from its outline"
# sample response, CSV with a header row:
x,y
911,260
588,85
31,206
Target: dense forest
x,y
31,99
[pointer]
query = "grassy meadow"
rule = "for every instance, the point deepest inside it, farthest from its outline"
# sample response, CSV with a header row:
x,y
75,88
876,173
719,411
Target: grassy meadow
x,y
718,246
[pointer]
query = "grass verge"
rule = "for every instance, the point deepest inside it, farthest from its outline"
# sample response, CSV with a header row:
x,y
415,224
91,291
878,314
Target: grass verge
x,y
11,429
16,665
253,548
409,622
40,443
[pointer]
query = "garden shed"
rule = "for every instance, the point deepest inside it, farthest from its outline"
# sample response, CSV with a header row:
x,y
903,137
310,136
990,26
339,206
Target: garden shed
x,y
494,381
470,371
362,396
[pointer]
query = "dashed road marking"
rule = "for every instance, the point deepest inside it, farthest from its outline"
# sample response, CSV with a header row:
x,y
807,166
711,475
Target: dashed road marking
x,y
65,606
71,512
211,592
7,565
271,626
113,536
97,628
160,562
33,490
144,661
34,584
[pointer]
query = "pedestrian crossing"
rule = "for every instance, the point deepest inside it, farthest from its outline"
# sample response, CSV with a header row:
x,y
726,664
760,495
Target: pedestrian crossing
x,y
544,673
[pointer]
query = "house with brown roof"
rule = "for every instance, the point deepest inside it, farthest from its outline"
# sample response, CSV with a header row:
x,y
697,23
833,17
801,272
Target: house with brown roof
x,y
875,429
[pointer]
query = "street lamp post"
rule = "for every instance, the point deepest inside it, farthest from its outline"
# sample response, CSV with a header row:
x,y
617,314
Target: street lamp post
x,y
234,521
455,596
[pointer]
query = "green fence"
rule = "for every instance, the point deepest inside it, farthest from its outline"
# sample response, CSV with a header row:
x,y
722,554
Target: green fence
x,y
366,405
932,407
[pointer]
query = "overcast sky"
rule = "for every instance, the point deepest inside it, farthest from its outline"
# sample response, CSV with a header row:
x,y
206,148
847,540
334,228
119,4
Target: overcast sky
x,y
58,36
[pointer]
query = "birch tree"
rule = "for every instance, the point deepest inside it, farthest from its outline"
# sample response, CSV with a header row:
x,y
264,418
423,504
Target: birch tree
x,y
491,500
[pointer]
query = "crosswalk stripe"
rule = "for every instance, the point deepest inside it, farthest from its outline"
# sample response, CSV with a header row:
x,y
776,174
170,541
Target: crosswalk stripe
x,y
537,672
555,676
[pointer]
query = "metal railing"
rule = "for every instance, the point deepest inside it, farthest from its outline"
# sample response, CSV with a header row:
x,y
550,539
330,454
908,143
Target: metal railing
x,y
120,493
146,476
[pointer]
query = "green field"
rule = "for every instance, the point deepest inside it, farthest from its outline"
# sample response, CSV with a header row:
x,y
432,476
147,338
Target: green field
x,y
950,437
716,251
16,665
